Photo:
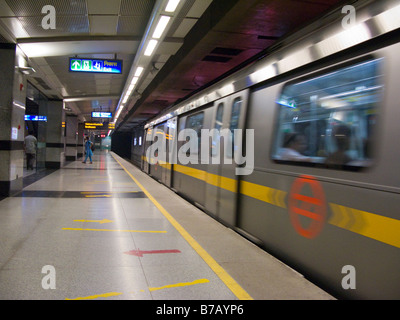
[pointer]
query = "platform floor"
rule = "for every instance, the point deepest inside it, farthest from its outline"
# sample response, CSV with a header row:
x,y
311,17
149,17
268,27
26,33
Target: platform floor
x,y
108,231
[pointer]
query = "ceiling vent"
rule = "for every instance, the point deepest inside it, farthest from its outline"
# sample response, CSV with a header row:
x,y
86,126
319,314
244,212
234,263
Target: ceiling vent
x,y
226,51
216,59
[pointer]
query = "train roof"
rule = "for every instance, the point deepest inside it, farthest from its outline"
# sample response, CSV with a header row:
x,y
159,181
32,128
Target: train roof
x,y
330,35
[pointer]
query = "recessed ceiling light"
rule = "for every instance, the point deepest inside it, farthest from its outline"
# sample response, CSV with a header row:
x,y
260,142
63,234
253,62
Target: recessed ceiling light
x,y
171,6
162,24
150,47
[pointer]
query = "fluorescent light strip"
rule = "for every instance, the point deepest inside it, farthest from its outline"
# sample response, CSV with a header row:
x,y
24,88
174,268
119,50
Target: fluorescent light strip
x,y
171,6
162,24
150,47
139,71
134,80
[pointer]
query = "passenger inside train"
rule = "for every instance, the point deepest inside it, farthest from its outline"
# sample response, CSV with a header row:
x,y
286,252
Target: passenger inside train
x,y
341,134
293,147
329,120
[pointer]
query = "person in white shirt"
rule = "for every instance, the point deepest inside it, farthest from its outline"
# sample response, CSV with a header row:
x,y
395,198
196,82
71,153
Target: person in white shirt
x,y
293,147
30,145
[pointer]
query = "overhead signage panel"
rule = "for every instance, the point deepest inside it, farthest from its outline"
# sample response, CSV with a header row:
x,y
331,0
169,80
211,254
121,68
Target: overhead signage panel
x,y
95,65
35,118
99,125
101,115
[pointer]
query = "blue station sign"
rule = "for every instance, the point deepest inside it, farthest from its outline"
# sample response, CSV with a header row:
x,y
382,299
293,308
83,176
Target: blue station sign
x,y
95,65
35,118
101,115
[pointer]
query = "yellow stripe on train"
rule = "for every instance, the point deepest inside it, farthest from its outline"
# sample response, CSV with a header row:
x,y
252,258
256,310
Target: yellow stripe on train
x,y
383,229
377,227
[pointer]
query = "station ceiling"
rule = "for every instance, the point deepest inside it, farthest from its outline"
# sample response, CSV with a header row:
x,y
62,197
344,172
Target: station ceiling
x,y
203,40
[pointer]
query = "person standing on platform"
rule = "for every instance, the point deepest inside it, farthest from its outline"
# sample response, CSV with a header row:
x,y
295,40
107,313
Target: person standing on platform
x,y
88,150
30,145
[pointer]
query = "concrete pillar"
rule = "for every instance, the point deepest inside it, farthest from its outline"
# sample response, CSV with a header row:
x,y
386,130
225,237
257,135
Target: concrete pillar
x,y
55,140
71,140
81,137
12,119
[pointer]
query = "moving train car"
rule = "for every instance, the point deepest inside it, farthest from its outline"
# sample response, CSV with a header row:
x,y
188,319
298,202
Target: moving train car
x,y
317,123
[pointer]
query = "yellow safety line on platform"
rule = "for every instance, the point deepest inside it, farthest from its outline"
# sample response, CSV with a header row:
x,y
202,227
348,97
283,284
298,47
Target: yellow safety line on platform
x,y
110,230
182,284
104,295
236,289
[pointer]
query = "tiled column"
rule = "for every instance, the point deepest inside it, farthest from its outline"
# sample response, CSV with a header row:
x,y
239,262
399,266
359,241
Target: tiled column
x,y
71,141
81,131
12,112
55,148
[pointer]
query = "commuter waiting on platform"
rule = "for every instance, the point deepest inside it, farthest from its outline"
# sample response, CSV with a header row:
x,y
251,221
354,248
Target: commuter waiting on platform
x,y
30,145
88,150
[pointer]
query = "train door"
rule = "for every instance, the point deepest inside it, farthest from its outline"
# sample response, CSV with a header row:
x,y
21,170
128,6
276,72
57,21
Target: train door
x,y
213,177
158,161
147,144
170,151
232,111
190,171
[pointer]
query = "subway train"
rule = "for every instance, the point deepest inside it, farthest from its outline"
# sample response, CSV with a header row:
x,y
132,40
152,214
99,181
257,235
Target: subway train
x,y
297,151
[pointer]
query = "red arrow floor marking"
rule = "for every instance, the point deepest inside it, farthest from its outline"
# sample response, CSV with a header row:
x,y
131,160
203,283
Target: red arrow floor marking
x,y
140,253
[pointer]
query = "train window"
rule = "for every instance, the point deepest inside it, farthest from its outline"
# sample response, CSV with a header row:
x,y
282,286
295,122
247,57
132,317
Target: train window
x,y
148,142
234,124
195,122
329,120
159,136
217,133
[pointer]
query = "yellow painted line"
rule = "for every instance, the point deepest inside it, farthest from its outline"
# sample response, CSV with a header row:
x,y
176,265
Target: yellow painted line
x,y
110,230
99,196
97,221
377,227
182,284
263,193
237,290
270,195
104,295
194,173
93,193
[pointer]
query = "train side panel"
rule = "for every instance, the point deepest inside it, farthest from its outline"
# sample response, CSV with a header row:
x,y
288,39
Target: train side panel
x,y
320,219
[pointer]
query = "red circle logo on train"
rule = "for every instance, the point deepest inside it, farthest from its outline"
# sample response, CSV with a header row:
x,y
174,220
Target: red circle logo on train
x,y
307,206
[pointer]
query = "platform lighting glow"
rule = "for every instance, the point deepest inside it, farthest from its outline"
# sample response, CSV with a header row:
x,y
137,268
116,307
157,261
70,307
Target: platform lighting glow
x,y
139,71
354,35
162,24
119,112
134,80
150,47
389,20
171,6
